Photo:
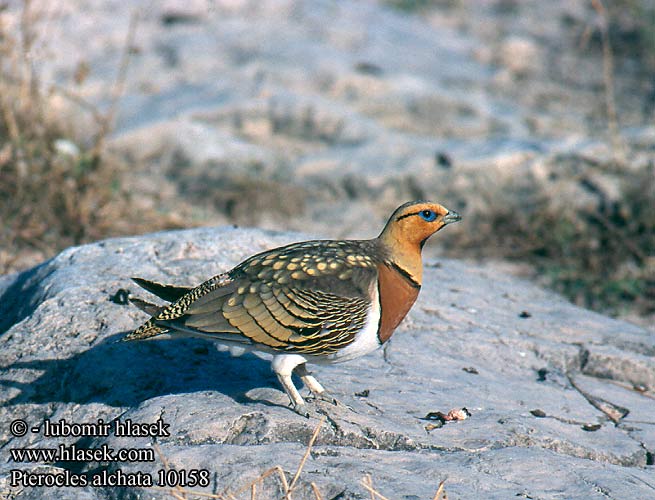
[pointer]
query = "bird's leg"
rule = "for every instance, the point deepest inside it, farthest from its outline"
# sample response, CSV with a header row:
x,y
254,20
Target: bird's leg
x,y
317,390
296,399
283,366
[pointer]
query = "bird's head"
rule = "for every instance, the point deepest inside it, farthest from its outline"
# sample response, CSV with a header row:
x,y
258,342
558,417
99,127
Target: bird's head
x,y
414,222
407,230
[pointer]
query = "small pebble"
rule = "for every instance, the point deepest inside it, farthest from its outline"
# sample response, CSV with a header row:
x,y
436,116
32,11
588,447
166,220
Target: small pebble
x,y
591,427
121,297
459,414
433,425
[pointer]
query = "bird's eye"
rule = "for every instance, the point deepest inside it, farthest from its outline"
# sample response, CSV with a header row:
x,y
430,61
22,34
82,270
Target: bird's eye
x,y
428,215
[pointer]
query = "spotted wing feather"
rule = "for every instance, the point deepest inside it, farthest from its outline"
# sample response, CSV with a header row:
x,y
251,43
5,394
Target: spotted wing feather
x,y
310,297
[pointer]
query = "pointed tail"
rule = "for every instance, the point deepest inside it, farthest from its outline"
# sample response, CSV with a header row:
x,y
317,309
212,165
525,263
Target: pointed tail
x,y
145,331
169,293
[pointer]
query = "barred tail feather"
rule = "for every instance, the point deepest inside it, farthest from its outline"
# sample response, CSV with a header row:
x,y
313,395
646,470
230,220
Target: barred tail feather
x,y
170,293
145,331
146,307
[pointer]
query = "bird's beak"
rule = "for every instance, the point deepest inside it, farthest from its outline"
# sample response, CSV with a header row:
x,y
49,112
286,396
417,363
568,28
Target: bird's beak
x,y
451,217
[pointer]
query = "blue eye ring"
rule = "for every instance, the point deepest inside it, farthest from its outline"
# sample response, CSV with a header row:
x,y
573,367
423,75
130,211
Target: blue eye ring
x,y
428,215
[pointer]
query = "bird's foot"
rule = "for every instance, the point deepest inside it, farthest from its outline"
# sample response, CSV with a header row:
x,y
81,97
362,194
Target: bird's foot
x,y
328,398
324,396
301,409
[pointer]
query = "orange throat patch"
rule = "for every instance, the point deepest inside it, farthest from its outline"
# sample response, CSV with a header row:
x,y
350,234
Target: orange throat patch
x,y
397,296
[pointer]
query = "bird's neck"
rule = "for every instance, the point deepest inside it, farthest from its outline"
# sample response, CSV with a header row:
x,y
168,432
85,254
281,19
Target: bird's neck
x,y
403,255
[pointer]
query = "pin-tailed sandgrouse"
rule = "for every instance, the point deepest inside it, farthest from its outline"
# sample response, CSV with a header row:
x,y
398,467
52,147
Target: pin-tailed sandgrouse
x,y
310,302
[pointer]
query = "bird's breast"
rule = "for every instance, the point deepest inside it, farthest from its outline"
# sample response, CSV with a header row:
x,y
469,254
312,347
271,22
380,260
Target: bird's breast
x,y
397,296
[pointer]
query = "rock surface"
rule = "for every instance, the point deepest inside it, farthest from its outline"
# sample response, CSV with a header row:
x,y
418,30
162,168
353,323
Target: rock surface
x,y
560,398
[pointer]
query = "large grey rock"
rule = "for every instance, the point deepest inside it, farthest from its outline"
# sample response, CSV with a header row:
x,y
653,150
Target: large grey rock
x,y
476,339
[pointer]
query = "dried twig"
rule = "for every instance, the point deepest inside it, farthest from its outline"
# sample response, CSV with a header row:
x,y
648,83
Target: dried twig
x,y
171,491
117,90
316,492
98,117
608,79
178,492
26,42
369,481
440,490
10,118
273,470
304,458
374,493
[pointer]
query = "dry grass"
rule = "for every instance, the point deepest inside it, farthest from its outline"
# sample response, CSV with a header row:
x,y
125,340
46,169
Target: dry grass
x,y
600,258
287,486
56,189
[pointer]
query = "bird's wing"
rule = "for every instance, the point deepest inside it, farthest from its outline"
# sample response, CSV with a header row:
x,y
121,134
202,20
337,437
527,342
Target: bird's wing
x,y
295,299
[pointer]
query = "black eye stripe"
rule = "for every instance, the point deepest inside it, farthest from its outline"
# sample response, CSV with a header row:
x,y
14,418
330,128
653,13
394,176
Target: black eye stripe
x,y
413,213
407,215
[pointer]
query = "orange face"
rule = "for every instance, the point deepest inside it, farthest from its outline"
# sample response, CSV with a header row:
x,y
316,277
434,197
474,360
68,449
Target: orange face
x,y
414,222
